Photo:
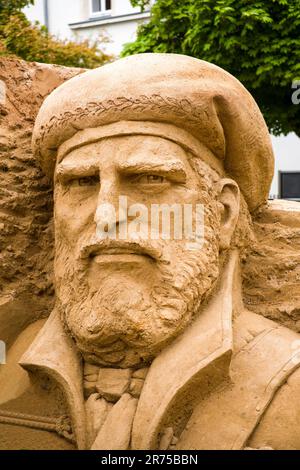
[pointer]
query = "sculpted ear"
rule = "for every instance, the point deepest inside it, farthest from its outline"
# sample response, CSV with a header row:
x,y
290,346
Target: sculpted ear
x,y
229,199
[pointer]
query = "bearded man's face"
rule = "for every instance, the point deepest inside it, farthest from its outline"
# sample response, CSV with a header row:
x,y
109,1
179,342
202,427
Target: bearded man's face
x,y
124,298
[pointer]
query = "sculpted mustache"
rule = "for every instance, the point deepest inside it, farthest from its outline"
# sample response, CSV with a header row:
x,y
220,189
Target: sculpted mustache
x,y
139,247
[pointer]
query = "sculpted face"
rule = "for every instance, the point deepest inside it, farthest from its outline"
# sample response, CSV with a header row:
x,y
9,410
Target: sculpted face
x,y
123,300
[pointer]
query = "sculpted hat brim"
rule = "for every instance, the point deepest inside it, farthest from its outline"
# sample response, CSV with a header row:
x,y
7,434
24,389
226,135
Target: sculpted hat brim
x,y
199,98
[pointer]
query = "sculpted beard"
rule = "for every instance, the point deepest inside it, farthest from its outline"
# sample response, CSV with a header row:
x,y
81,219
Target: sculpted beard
x,y
130,316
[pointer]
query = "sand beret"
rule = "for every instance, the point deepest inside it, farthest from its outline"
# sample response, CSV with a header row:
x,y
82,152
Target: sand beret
x,y
178,97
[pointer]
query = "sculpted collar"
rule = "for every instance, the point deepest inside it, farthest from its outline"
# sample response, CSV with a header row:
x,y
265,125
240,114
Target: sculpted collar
x,y
197,361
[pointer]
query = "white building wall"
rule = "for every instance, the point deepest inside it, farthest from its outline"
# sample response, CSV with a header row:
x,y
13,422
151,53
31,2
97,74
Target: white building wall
x,y
63,12
287,158
123,7
117,34
120,31
35,12
60,14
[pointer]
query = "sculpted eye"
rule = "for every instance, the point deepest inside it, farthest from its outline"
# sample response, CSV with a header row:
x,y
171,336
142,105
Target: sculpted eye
x,y
85,181
89,181
151,179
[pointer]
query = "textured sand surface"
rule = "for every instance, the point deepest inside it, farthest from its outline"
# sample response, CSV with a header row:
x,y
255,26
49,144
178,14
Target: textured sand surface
x,y
271,271
26,240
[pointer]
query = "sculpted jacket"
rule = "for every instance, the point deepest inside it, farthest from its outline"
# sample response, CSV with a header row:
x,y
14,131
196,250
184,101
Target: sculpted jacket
x,y
230,381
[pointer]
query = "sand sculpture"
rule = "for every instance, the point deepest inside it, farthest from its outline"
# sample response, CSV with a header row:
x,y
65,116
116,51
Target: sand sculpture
x,y
150,344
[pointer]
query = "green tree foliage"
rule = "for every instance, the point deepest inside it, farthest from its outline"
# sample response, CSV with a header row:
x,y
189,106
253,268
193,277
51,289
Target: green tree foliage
x,y
18,37
9,7
257,41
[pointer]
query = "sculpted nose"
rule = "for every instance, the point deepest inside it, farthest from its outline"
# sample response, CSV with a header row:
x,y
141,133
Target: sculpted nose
x,y
109,212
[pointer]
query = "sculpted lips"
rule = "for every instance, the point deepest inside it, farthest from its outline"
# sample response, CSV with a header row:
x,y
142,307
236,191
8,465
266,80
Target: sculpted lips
x,y
125,252
118,254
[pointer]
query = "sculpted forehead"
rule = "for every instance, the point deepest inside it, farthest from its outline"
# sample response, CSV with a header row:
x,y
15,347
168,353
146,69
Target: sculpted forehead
x,y
122,151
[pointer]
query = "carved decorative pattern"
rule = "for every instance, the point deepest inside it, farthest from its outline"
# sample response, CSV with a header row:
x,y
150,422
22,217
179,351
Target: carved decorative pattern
x,y
182,108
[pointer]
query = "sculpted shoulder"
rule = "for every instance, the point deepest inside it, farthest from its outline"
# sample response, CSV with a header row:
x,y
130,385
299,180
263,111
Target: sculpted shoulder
x,y
23,399
279,427
259,407
14,380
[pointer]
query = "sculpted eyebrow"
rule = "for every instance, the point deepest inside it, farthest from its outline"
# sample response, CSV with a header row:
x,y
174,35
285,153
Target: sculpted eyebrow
x,y
70,170
172,170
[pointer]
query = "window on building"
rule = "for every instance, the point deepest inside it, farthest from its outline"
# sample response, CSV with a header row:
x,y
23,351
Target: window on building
x,y
290,185
100,6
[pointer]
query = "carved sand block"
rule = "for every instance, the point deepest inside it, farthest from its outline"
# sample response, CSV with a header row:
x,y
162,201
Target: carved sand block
x,y
161,166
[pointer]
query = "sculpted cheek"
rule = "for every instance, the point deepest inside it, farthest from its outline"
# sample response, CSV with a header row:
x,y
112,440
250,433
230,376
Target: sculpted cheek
x,y
74,214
